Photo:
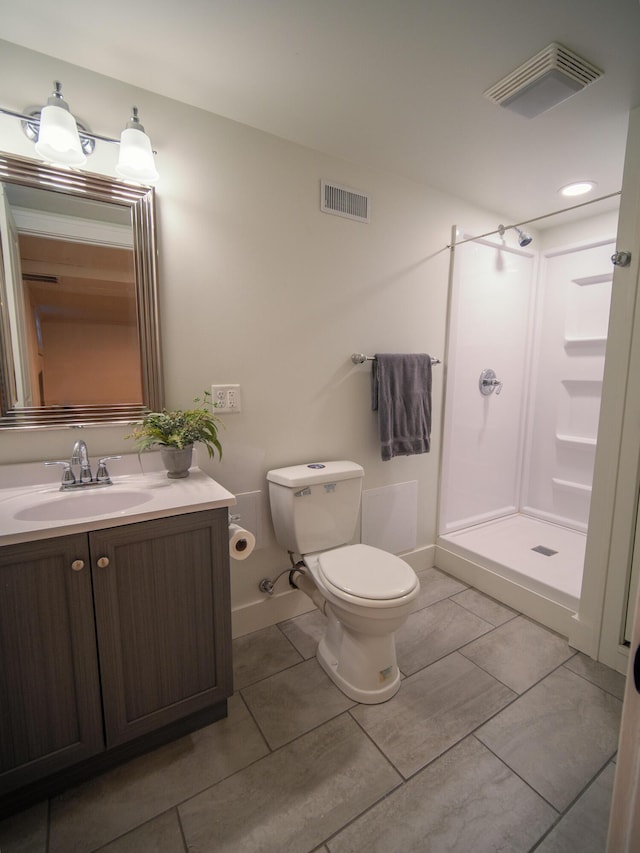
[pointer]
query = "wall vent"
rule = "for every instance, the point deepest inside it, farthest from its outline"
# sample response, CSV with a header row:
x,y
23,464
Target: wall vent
x,y
343,201
543,81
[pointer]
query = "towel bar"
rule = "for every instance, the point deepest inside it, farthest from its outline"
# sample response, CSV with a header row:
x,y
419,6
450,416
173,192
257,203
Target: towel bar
x,y
360,358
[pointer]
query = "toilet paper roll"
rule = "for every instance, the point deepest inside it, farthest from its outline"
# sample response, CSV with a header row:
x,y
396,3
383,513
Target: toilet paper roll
x,y
241,542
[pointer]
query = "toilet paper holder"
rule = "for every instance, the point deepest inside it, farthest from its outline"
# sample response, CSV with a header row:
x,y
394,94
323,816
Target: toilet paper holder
x,y
241,541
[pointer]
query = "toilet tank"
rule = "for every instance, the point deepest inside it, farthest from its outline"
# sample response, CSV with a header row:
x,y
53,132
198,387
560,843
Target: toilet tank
x,y
315,507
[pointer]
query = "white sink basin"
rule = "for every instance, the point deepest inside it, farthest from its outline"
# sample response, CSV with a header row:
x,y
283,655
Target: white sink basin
x,y
31,509
82,504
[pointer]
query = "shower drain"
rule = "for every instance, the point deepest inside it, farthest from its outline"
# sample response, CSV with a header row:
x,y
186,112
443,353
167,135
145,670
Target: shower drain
x,y
542,549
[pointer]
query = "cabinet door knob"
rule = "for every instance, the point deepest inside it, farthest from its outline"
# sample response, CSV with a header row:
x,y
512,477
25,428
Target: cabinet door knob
x,y
103,562
77,565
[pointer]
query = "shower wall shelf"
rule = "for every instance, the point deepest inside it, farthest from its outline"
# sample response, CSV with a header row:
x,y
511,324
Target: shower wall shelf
x,y
570,486
578,440
570,343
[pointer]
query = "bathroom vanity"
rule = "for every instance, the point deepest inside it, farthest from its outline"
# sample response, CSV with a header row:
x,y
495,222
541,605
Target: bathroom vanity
x,y
115,628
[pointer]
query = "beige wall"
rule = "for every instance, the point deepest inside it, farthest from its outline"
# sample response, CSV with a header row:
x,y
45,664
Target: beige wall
x,y
260,288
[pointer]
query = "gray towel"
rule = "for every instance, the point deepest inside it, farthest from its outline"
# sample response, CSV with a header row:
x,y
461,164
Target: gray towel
x,y
401,394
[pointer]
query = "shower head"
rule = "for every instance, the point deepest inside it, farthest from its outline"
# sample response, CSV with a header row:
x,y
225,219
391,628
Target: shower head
x,y
523,238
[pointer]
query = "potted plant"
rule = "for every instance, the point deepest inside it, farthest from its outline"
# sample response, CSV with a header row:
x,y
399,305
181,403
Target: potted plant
x,y
176,432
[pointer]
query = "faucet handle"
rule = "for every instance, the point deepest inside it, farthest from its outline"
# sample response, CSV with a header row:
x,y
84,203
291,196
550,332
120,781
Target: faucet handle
x,y
102,475
67,475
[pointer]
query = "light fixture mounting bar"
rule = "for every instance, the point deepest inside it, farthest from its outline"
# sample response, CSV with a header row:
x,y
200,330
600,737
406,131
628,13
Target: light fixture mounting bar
x,y
34,119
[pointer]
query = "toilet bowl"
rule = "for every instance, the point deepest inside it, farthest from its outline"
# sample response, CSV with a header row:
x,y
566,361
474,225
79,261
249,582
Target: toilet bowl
x,y
366,593
369,594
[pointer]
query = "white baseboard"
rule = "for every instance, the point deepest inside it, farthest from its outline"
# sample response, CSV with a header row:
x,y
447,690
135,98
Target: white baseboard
x,y
421,558
271,610
583,638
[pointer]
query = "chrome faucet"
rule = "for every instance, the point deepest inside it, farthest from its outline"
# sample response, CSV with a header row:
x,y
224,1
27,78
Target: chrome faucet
x,y
80,456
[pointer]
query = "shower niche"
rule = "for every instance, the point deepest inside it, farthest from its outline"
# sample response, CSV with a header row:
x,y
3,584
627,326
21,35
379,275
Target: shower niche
x,y
517,467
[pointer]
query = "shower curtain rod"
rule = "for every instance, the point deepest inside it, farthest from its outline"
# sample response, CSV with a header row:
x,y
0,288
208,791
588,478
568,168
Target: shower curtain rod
x,y
501,228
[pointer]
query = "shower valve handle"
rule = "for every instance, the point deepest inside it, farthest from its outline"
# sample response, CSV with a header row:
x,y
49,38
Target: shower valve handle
x,y
488,382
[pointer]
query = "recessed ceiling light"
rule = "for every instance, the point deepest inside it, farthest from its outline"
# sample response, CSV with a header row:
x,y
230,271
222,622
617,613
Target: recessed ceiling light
x,y
578,188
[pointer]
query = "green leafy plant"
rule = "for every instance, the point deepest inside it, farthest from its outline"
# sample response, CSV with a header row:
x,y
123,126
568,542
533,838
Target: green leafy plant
x,y
181,427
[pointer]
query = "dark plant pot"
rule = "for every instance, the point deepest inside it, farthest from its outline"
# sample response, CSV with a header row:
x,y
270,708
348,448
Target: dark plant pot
x,y
176,461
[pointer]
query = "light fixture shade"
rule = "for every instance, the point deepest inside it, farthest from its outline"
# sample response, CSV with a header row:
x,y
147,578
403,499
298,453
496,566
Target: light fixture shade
x,y
136,162
58,138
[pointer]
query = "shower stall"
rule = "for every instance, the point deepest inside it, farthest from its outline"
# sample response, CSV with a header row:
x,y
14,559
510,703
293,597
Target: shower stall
x,y
525,358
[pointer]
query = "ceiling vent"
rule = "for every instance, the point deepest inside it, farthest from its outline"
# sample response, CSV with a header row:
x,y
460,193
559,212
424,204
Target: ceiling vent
x,y
342,201
545,80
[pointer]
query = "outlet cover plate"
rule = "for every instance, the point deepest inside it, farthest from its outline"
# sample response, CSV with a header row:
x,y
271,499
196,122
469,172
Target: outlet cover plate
x,y
227,399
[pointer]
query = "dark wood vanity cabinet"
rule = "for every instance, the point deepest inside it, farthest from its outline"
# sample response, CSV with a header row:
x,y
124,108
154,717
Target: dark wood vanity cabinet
x,y
161,593
108,638
50,713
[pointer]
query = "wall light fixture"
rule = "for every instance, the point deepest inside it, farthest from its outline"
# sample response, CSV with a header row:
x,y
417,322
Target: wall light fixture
x,y
63,140
136,155
58,139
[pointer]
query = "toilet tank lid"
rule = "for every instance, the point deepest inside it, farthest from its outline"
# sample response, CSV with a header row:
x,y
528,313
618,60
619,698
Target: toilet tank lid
x,y
314,473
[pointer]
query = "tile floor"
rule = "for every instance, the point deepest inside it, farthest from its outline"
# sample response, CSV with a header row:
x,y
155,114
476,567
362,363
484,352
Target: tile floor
x,y
500,738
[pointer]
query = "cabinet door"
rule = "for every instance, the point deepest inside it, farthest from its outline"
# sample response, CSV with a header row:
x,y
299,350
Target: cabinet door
x,y
161,591
49,692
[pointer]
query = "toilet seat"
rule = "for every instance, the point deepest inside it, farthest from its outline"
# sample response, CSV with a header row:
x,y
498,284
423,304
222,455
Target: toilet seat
x,y
360,571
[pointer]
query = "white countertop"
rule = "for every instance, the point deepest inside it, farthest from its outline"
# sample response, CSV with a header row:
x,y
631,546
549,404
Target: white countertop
x,y
27,506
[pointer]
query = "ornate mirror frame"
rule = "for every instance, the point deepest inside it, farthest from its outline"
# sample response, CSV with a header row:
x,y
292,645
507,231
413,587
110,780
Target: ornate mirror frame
x,y
141,202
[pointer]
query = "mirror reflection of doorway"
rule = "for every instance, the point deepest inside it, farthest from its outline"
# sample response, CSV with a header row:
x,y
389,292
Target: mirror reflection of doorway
x,y
81,323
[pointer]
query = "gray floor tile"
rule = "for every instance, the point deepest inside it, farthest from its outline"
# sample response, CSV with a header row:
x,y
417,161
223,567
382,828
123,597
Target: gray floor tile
x,y
160,835
295,701
610,680
434,632
293,799
433,710
115,802
434,586
328,785
585,825
557,736
305,632
465,802
484,606
519,653
261,654
25,832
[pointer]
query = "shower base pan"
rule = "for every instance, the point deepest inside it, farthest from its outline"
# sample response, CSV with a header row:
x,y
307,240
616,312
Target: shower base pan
x,y
535,556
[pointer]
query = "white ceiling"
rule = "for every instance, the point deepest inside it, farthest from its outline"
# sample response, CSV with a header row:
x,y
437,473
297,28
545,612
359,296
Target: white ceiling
x,y
394,84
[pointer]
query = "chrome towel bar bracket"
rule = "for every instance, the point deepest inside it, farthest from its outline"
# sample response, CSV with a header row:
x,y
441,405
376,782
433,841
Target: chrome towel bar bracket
x,y
360,358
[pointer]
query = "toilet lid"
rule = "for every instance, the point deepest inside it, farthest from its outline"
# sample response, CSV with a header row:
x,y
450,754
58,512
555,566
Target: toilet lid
x,y
367,572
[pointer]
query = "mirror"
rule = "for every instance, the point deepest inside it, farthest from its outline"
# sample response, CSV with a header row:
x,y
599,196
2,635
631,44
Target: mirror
x,y
79,330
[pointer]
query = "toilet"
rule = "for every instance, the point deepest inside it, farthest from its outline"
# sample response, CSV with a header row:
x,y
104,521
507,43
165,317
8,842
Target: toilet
x,y
366,593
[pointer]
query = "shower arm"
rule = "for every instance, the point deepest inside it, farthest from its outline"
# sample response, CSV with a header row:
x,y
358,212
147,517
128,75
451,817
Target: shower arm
x,y
502,228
